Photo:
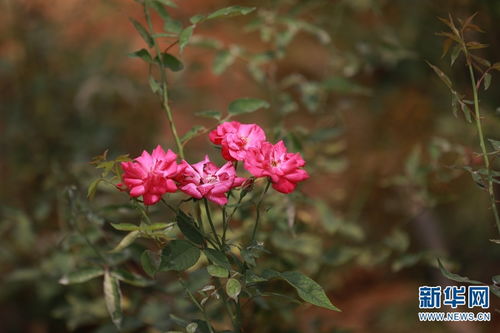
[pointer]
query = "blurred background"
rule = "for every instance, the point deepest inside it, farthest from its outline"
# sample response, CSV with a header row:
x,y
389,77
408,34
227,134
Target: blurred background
x,y
349,88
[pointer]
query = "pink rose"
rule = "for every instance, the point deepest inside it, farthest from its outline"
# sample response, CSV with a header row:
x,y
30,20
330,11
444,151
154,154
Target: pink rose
x,y
151,175
236,139
273,161
205,180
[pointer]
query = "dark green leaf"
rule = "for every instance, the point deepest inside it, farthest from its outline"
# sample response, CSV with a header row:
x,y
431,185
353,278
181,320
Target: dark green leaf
x,y
143,54
184,37
233,288
188,228
168,3
230,11
171,62
179,255
454,54
82,275
158,7
149,263
93,188
455,277
217,271
246,105
112,296
217,258
223,59
495,144
143,32
487,81
172,25
251,277
308,289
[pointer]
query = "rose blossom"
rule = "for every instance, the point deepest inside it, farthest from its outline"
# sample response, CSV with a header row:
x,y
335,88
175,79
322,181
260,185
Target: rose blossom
x,y
273,161
205,180
236,139
151,175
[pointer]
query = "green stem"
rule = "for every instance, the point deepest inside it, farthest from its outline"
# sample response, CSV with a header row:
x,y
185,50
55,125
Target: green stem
x,y
257,219
164,98
198,305
482,143
212,226
235,319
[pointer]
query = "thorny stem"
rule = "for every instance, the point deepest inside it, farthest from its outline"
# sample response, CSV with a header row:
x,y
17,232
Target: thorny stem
x,y
164,90
484,151
256,225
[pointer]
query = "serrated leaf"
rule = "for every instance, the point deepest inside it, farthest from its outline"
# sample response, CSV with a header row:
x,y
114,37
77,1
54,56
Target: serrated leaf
x,y
184,37
143,32
223,59
455,277
179,255
131,278
233,288
308,289
217,258
246,105
230,11
209,114
149,263
125,226
142,54
126,241
193,132
82,275
217,271
188,228
112,297
171,62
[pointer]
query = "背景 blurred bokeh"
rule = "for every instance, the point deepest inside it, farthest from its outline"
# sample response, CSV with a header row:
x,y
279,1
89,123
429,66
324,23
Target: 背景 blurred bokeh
x,y
349,88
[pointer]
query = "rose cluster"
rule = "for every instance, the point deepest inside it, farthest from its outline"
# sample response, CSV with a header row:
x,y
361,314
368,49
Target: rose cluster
x,y
153,175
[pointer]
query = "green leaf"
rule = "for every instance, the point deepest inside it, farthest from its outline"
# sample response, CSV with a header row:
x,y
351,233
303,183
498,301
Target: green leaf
x,y
441,75
246,105
82,275
209,114
251,277
193,132
171,62
233,288
197,18
93,188
126,241
188,228
172,25
217,258
184,37
131,278
495,144
168,3
454,54
143,32
158,7
308,289
487,81
192,328
143,54
223,59
125,226
154,85
230,11
149,263
179,255
455,277
217,271
112,296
